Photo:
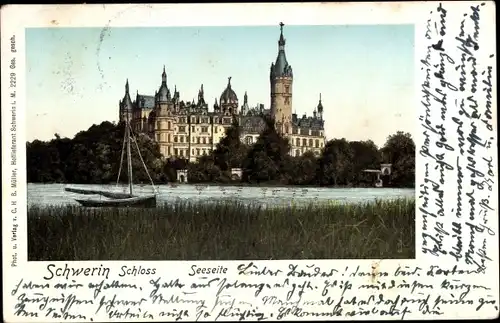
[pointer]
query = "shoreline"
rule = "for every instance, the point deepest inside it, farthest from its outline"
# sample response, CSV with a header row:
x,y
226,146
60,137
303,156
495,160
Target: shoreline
x,y
227,184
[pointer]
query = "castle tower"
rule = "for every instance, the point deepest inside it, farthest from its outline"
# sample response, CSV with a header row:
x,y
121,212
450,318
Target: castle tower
x,y
320,108
126,105
245,107
163,95
281,79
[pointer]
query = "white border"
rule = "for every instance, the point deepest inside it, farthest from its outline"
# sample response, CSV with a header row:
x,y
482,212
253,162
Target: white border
x,y
16,18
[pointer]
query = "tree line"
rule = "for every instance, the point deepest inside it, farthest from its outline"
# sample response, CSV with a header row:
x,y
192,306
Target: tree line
x,y
93,156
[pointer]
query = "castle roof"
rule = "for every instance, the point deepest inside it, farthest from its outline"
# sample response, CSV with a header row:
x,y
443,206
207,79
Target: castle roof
x,y
281,66
228,95
307,122
163,93
127,102
145,101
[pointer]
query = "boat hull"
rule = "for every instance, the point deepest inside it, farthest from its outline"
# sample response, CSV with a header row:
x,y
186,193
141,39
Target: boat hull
x,y
114,195
135,201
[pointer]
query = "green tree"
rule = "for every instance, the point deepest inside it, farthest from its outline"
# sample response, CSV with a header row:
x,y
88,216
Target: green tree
x,y
335,164
267,159
366,155
92,156
205,170
230,152
43,162
303,169
399,150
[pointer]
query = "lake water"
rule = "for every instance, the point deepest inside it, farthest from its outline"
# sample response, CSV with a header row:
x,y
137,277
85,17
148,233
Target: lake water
x,y
54,194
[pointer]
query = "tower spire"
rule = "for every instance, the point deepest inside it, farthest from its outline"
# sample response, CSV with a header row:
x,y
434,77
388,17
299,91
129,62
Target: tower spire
x,y
126,87
164,76
320,108
281,42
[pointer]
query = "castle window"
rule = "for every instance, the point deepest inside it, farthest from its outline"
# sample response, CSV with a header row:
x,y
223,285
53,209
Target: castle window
x,y
197,151
310,142
287,88
209,140
204,140
249,140
181,151
216,120
297,152
169,138
205,120
182,128
215,129
317,143
204,129
297,142
176,152
197,140
192,152
192,129
304,142
193,119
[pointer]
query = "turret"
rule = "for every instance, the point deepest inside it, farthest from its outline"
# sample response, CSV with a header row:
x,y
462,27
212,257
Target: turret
x,y
216,106
201,97
320,108
163,92
164,76
245,107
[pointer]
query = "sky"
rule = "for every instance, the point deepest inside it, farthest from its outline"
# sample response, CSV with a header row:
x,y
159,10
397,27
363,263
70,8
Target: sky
x,y
365,73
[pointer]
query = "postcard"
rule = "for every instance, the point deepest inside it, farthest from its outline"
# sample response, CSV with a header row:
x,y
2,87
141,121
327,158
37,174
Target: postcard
x,y
249,162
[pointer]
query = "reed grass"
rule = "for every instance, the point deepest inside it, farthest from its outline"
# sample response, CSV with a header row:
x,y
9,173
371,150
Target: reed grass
x,y
224,231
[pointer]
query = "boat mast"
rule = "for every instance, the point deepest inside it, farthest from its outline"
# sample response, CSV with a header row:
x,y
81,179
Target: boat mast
x,y
129,157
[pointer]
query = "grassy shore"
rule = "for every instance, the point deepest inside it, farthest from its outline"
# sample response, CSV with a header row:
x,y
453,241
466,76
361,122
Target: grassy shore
x,y
223,231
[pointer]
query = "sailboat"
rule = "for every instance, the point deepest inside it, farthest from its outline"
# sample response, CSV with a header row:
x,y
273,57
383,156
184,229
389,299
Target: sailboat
x,y
117,199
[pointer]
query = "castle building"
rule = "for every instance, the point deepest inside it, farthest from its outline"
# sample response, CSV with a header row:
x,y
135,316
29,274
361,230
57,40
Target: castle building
x,y
190,129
